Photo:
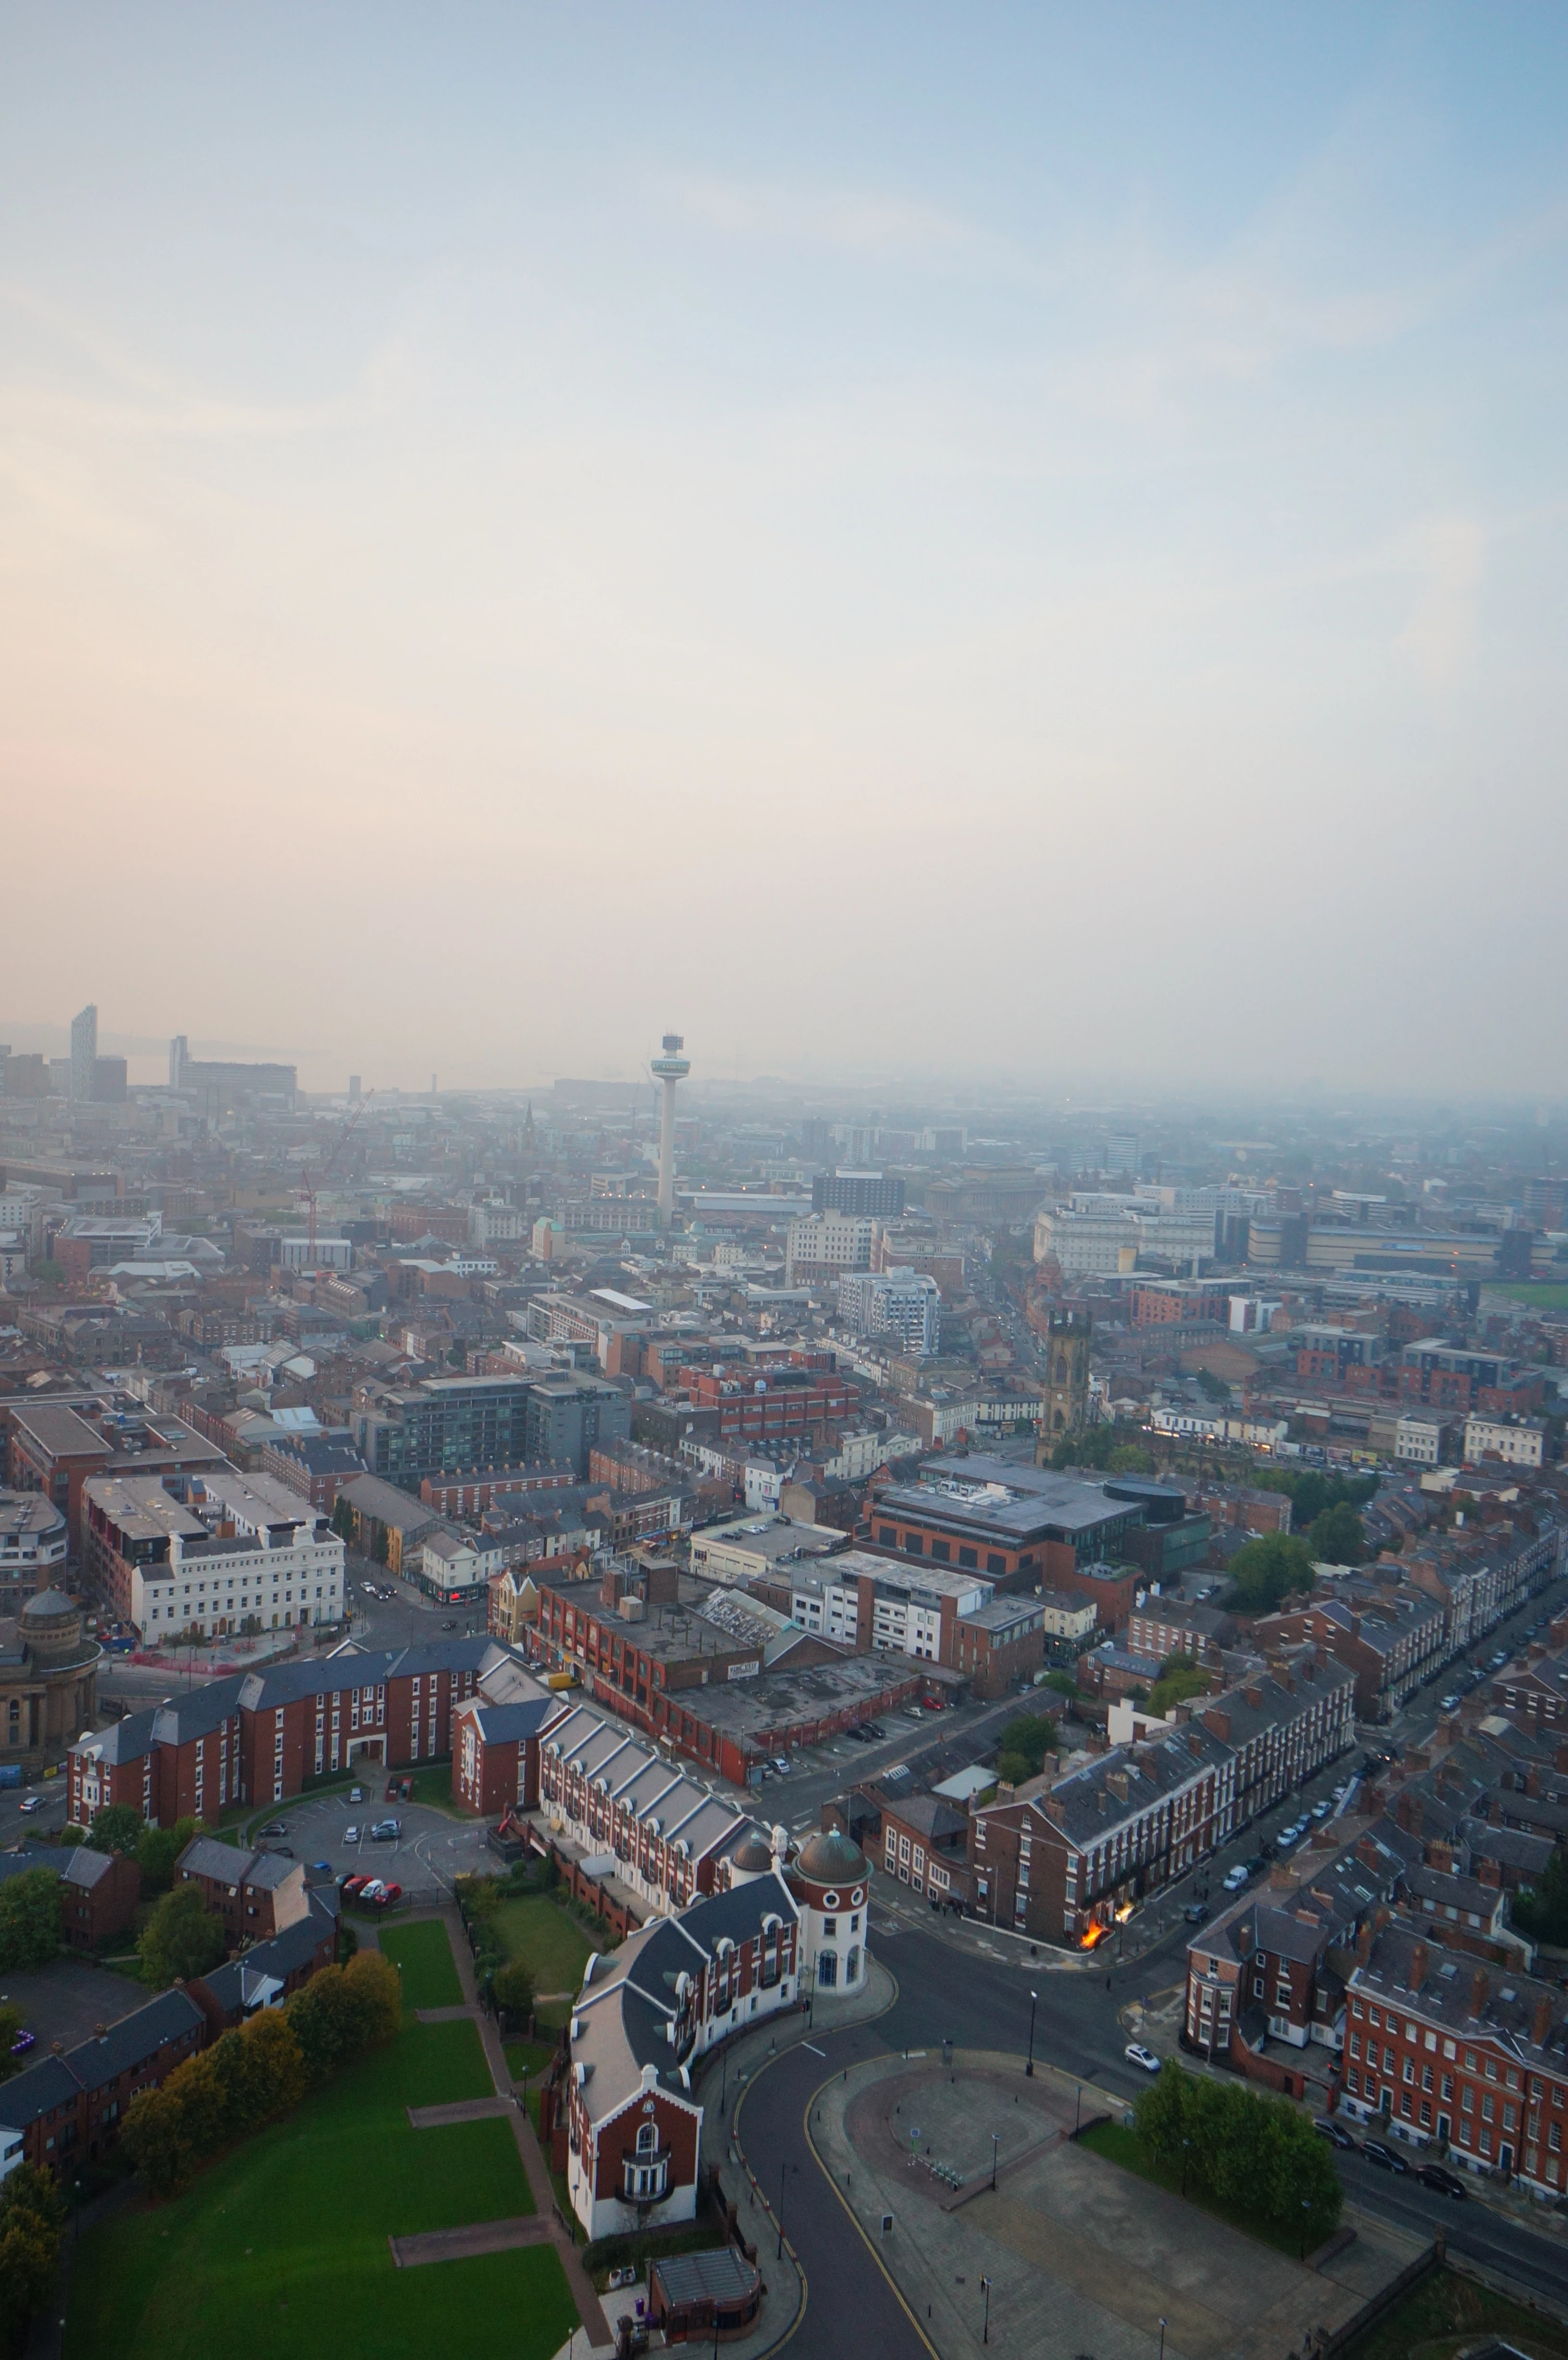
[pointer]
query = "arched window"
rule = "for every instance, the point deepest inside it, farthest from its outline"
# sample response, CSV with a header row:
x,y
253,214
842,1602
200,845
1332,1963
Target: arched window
x,y
647,2137
851,1968
827,1969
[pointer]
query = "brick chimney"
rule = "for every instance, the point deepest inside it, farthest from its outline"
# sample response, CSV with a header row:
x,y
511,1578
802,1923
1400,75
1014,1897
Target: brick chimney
x,y
1489,1871
1363,1941
1418,1966
1541,2022
1254,1695
1480,1989
1440,1855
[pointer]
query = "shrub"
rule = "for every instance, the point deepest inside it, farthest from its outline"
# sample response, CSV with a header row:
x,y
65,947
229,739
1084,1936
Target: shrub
x,y
1265,1570
342,2010
512,1987
158,1848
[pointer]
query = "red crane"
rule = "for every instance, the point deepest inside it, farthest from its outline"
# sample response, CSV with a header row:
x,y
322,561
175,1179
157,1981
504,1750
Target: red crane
x,y
312,1187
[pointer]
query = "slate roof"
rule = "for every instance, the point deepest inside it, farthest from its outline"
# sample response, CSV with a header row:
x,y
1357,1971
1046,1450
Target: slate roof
x,y
507,1724
55,2081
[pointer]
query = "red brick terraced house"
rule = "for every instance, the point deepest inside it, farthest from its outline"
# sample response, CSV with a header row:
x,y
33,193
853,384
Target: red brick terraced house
x,y
67,2110
608,1792
1443,2052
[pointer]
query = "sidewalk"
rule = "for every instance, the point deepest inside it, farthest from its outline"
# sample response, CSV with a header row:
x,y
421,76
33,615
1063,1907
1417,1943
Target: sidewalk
x,y
723,2083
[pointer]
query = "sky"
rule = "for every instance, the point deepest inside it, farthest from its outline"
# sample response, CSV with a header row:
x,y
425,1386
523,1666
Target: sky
x,y
987,542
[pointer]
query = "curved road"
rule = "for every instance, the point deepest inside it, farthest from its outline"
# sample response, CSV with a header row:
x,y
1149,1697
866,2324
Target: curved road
x,y
852,2309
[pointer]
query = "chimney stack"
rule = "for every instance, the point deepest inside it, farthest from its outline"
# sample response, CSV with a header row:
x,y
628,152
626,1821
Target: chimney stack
x,y
1480,1986
1418,1966
1541,2022
1363,1941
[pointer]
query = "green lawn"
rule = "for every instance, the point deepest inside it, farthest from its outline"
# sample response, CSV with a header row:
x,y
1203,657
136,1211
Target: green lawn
x,y
530,2057
432,1786
1124,2148
1536,1295
1446,2311
549,1936
285,2240
424,1954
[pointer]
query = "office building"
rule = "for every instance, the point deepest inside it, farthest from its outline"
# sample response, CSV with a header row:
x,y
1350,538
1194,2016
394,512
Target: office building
x,y
84,1053
876,1196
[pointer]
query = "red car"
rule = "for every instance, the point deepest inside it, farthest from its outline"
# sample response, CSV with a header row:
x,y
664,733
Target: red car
x,y
388,1893
354,1886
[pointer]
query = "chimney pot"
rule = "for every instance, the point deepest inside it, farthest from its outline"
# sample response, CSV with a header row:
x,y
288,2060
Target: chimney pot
x,y
1418,1966
1480,1986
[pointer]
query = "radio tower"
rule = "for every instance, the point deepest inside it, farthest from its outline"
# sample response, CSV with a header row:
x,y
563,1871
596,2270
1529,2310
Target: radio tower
x,y
670,1068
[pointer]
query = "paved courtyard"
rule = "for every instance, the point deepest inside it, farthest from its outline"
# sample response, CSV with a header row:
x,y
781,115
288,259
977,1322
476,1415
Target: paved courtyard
x,y
1083,2260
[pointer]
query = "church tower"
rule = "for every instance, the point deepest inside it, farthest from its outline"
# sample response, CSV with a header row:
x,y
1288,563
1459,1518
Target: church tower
x,y
1064,1396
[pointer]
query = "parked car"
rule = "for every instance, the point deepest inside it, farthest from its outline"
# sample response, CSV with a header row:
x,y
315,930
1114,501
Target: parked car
x,y
277,1852
1449,1704
449,1626
320,1868
1335,2132
351,1835
1136,2054
353,1886
400,1790
385,1831
1383,2157
1235,1878
1196,1912
34,1803
875,1729
390,1892
275,1828
1447,2183
1321,1810
356,1794
781,1764
371,1890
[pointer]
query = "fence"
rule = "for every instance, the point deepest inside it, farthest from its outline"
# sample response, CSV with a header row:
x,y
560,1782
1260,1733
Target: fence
x,y
1385,2300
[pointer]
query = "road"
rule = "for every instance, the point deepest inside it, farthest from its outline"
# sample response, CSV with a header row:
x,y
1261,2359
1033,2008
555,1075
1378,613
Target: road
x,y
975,2002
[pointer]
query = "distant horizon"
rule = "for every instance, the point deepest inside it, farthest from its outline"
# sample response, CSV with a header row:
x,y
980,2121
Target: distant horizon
x,y
1021,544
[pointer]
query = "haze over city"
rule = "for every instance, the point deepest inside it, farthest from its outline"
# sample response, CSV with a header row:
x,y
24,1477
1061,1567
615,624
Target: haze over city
x,y
1023,546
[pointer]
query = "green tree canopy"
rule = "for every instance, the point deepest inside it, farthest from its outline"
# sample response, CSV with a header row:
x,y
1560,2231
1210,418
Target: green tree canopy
x,y
512,1987
1178,1679
158,1848
1269,1568
182,1938
1023,1746
32,2217
1542,1913
1337,1536
117,1828
1256,2155
31,1923
1310,1491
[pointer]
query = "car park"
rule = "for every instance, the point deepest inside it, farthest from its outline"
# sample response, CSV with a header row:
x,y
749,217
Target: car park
x,y
1335,2132
1383,2157
1447,2183
1136,2054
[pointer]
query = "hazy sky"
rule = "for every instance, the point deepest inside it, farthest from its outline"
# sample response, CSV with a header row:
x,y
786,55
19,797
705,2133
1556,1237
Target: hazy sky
x,y
996,538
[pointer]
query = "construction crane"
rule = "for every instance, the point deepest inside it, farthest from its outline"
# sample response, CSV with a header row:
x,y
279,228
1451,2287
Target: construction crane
x,y
312,1187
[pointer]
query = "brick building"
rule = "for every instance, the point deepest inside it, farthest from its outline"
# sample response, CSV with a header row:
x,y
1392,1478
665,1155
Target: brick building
x,y
671,1836
495,1754
67,2110
257,1894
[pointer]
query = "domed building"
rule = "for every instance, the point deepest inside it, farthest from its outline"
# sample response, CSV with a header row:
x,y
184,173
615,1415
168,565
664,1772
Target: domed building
x,y
831,1880
48,1677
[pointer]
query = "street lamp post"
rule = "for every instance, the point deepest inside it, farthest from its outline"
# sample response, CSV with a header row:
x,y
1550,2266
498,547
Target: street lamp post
x,y
1162,2340
986,2331
995,2138
1034,2002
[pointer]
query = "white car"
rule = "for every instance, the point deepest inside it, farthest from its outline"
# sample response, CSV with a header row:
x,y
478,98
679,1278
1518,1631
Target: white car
x,y
351,1835
1136,2054
34,1803
1234,1879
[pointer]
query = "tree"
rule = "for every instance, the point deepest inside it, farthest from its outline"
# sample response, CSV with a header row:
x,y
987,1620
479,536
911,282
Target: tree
x,y
10,2030
1255,2155
512,1987
260,2072
342,1519
32,2216
1337,1537
1178,1679
1130,1458
157,1849
1213,1388
31,1922
181,1937
344,2009
381,1550
157,2140
1541,1911
1064,1684
1265,1570
117,1828
1024,1745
